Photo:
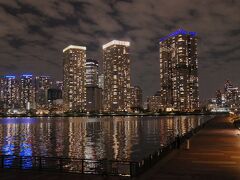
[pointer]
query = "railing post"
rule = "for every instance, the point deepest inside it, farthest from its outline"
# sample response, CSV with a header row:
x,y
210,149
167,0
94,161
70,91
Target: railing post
x,y
82,166
131,170
40,163
20,165
60,165
2,161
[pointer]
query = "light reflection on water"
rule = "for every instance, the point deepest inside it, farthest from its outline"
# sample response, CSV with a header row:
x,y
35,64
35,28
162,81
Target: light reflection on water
x,y
121,138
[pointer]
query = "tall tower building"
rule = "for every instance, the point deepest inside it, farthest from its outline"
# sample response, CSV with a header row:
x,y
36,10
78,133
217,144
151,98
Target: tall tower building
x,y
74,78
10,92
136,98
101,81
179,71
94,93
91,72
42,84
27,92
116,67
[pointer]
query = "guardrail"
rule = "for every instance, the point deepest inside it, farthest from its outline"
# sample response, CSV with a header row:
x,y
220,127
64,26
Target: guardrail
x,y
82,166
97,167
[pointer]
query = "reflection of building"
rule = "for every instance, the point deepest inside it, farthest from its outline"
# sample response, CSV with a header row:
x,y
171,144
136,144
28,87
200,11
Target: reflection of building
x,y
27,92
179,71
91,72
116,67
74,90
136,98
42,84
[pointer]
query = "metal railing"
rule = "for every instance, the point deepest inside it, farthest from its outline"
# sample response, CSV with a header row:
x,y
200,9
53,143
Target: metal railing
x,y
83,166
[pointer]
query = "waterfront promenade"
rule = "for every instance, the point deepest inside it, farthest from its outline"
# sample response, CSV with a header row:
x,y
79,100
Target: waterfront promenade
x,y
214,154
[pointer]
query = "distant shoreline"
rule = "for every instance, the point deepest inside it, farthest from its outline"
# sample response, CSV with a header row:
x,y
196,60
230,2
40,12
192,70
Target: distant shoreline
x,y
113,115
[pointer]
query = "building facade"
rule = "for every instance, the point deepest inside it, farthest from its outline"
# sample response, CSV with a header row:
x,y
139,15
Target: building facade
x,y
9,93
27,95
42,84
153,103
116,68
136,98
94,99
91,72
179,71
74,78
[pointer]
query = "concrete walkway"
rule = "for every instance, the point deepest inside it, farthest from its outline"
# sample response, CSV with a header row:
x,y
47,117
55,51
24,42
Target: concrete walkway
x,y
214,154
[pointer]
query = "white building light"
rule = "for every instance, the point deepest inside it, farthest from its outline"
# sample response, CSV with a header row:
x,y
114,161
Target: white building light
x,y
116,42
74,47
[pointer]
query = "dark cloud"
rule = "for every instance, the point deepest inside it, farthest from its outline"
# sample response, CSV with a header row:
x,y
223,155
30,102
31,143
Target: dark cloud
x,y
34,32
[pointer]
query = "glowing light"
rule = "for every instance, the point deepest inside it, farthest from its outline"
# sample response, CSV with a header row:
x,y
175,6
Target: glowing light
x,y
178,32
74,47
27,75
10,77
116,42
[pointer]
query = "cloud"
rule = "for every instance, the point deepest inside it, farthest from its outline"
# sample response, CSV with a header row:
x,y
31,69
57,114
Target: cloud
x,y
34,32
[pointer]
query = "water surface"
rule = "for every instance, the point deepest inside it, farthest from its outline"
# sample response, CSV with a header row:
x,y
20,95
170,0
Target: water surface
x,y
122,138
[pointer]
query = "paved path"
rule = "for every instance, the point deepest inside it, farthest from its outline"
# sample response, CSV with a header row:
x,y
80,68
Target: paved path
x,y
214,154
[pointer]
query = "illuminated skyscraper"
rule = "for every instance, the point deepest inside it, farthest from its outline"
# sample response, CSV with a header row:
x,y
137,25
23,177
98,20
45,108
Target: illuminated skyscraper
x,y
116,67
59,85
136,98
74,78
179,71
10,92
94,93
27,92
2,89
42,84
91,72
101,81
232,95
154,102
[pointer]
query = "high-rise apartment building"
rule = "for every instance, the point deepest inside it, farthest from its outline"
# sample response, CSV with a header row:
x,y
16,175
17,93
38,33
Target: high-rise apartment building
x,y
94,93
101,81
10,92
232,95
27,94
116,67
94,99
179,71
74,78
42,84
135,98
91,72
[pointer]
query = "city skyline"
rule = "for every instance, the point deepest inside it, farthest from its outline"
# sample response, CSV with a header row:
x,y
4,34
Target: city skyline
x,y
33,27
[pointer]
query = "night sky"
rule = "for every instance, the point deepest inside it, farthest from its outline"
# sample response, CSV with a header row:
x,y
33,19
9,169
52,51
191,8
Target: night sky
x,y
34,32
